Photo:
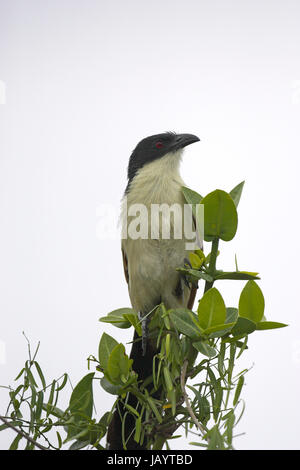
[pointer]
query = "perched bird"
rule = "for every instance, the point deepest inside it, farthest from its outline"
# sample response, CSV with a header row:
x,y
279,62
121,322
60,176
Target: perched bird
x,y
150,259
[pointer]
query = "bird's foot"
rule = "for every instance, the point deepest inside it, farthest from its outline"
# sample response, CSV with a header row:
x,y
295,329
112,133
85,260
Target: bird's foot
x,y
144,321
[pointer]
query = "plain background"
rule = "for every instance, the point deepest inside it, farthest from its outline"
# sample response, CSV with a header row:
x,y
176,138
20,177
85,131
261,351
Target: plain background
x,y
85,81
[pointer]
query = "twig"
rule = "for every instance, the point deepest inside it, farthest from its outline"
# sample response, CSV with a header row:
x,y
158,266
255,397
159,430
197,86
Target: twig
x,y
186,398
23,434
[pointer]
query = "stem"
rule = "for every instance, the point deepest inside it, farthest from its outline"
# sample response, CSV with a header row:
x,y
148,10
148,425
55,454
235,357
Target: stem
x,y
28,438
212,263
186,398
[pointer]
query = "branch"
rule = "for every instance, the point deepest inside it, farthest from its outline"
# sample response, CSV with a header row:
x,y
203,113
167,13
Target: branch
x,y
186,398
23,434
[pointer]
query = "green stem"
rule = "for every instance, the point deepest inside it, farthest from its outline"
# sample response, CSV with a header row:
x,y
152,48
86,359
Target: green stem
x,y
158,443
212,263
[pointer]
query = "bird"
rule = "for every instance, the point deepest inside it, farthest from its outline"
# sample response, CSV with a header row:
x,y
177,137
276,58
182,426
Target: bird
x,y
149,259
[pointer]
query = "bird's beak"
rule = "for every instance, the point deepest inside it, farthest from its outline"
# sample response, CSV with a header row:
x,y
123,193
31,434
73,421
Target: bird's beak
x,y
182,140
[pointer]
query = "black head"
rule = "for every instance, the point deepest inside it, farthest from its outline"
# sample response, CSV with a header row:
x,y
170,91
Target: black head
x,y
155,147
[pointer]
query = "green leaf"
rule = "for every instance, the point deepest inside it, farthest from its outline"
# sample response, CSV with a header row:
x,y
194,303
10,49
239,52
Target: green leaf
x,y
204,348
215,441
184,321
235,340
251,273
243,326
232,352
109,387
194,199
201,275
65,379
219,330
153,407
251,303
118,365
117,319
193,273
103,421
236,193
229,426
54,411
41,375
235,275
51,397
242,347
31,379
200,254
211,309
12,423
77,445
198,444
191,197
238,389
106,345
269,325
20,373
220,216
39,405
134,320
172,400
59,439
82,396
138,428
168,379
212,378
217,399
80,406
15,443
231,314
204,410
231,319
187,350
195,261
167,344
132,410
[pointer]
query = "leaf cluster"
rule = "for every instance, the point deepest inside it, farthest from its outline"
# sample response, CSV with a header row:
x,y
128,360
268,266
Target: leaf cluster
x,y
201,346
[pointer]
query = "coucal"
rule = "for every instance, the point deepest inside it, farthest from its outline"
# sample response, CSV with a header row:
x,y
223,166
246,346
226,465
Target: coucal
x,y
150,260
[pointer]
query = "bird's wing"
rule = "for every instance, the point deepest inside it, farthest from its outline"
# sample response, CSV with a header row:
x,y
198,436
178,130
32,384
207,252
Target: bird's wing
x,y
194,287
125,265
192,296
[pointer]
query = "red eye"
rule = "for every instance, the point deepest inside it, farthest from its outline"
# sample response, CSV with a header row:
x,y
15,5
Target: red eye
x,y
159,145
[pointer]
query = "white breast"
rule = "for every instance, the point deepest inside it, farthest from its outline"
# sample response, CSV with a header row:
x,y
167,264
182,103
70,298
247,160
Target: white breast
x,y
152,263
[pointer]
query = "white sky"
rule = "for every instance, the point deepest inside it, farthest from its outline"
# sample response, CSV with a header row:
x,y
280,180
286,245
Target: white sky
x,y
85,81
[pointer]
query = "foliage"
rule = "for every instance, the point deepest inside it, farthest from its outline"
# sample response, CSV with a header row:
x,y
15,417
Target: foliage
x,y
203,345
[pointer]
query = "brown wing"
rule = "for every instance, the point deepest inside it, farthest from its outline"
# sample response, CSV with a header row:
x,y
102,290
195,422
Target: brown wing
x,y
194,287
192,296
125,265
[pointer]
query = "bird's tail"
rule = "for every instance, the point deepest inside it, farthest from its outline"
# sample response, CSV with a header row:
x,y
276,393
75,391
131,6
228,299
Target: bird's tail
x,y
142,365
